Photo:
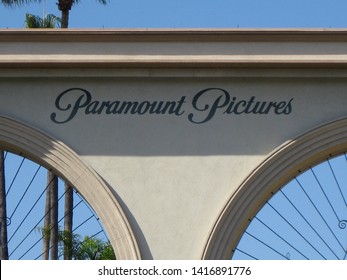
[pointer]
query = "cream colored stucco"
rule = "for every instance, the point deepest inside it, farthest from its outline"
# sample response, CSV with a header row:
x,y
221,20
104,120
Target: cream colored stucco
x,y
171,176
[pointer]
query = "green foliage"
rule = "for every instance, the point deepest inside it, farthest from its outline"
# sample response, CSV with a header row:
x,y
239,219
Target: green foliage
x,y
63,5
49,21
89,248
45,232
68,243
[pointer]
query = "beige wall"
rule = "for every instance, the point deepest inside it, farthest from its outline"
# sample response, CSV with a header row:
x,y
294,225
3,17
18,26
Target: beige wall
x,y
172,176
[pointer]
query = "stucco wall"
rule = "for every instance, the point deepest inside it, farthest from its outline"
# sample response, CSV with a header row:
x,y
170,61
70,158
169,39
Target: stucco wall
x,y
174,171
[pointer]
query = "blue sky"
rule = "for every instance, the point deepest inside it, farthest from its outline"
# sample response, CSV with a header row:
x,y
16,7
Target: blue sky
x,y
192,14
25,194
306,219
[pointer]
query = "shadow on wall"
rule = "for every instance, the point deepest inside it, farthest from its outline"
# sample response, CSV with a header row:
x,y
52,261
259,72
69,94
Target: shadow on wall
x,y
140,238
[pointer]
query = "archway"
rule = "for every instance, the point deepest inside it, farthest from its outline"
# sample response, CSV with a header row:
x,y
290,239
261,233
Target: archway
x,y
279,168
53,154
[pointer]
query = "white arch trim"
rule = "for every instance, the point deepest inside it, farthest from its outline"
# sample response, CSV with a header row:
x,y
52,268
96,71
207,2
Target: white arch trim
x,y
53,154
280,167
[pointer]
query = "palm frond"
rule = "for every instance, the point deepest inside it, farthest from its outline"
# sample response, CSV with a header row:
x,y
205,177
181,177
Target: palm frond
x,y
32,21
13,3
50,21
104,2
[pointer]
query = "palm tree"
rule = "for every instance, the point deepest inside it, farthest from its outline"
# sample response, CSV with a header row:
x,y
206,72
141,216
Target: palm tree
x,y
54,216
68,218
3,213
91,248
49,21
47,219
50,226
65,6
88,248
32,21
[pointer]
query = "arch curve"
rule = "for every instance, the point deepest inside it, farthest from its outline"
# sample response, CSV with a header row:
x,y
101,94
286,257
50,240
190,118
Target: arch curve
x,y
277,169
31,143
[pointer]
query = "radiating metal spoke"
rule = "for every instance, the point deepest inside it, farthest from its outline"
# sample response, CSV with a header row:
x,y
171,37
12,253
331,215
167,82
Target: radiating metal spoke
x,y
307,218
25,202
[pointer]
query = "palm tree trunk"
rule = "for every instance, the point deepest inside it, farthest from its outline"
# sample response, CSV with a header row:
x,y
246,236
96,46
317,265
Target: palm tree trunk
x,y
68,220
3,213
47,221
65,18
65,6
54,218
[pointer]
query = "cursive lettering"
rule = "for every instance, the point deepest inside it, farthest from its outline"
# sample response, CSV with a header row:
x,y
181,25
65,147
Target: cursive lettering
x,y
223,101
204,106
82,101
